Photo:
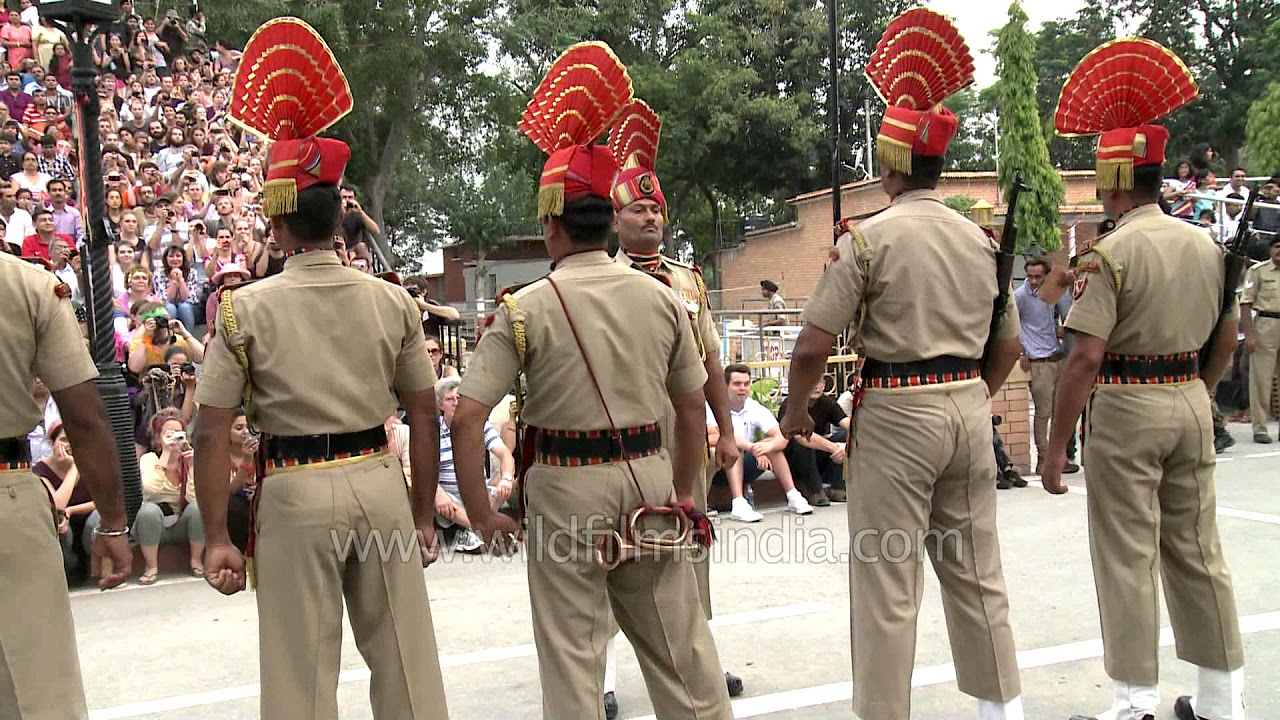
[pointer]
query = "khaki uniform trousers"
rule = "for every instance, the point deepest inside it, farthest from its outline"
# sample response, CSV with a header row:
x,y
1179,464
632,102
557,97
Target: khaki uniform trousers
x,y
574,601
335,532
1044,384
1262,368
39,665
920,483
1152,511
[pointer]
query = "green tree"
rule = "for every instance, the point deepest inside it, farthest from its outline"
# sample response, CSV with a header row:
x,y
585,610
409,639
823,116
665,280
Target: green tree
x,y
974,146
1263,132
409,64
1059,47
1022,146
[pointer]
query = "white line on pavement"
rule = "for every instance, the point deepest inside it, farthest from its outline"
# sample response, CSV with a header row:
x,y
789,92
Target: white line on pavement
x,y
1274,453
1223,511
510,652
939,674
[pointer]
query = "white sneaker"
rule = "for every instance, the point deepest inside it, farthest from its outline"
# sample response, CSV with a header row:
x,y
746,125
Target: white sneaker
x,y
797,504
743,512
467,541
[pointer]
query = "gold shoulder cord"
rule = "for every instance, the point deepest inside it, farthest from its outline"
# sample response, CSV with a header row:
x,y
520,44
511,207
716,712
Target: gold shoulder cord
x,y
231,328
517,413
704,305
1111,265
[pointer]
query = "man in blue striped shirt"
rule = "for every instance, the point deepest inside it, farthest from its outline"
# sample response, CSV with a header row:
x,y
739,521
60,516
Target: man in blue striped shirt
x,y
1042,352
449,508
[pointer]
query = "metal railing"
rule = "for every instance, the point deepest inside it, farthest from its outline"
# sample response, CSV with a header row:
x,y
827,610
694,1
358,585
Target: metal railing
x,y
766,349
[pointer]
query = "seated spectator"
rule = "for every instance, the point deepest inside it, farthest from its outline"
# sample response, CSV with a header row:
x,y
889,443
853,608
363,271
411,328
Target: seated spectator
x,y
230,275
178,286
169,513
819,461
137,291
183,372
72,498
38,443
437,358
762,445
158,332
1007,475
39,244
450,511
244,480
223,253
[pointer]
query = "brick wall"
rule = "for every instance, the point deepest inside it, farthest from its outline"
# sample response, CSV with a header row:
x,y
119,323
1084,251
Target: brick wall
x,y
1013,405
794,256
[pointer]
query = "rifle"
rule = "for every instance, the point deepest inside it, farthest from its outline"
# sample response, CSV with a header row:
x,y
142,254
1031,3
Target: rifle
x,y
1236,262
1004,265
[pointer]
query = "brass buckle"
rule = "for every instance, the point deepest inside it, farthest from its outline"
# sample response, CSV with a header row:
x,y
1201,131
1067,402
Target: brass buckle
x,y
613,549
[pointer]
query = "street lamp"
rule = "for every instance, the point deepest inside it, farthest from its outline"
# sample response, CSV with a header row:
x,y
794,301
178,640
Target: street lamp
x,y
76,17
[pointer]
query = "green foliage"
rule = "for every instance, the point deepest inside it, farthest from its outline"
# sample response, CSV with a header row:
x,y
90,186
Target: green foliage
x,y
974,146
410,66
960,203
1263,132
765,391
1059,47
1022,146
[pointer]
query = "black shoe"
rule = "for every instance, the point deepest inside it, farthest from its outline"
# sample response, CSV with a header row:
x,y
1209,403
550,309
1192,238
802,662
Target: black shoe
x,y
1002,483
837,495
1261,438
610,706
1014,477
1071,468
1182,709
734,682
1222,442
818,498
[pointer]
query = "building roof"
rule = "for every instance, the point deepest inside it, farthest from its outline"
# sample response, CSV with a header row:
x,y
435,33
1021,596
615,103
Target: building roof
x,y
978,175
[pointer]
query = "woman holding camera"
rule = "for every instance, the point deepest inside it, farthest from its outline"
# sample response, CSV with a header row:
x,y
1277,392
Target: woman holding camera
x,y
169,513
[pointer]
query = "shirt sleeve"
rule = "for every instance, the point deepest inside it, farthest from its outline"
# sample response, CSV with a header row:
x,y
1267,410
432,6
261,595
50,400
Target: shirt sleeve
x,y
1010,322
62,358
707,326
491,436
494,365
1250,294
685,370
414,370
834,303
1094,312
223,378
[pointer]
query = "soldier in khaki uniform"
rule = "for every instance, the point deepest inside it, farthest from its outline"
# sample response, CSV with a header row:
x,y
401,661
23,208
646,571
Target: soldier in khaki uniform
x,y
1262,337
39,337
320,390
605,351
921,460
1148,296
640,215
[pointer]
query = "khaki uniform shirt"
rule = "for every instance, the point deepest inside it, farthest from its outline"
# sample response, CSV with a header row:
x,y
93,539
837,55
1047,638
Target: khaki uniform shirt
x,y
639,339
688,290
1152,286
929,284
329,347
1262,287
39,336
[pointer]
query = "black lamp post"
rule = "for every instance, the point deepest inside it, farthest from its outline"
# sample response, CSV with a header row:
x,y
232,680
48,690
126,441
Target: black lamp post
x,y
76,16
833,112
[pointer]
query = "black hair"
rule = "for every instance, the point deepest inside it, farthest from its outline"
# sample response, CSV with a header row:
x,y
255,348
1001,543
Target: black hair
x,y
1042,262
37,212
1147,180
729,370
319,209
1240,169
588,221
925,172
175,350
1200,155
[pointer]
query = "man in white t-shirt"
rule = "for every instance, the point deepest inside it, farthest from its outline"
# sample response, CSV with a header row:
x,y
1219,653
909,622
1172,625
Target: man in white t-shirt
x,y
762,445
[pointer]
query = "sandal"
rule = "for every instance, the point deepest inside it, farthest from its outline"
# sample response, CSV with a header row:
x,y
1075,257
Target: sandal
x,y
148,579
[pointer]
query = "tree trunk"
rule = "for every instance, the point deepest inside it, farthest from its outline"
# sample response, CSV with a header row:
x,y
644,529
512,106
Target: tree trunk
x,y
479,283
380,182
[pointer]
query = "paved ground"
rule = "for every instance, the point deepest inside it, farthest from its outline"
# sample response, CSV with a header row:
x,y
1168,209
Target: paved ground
x,y
181,651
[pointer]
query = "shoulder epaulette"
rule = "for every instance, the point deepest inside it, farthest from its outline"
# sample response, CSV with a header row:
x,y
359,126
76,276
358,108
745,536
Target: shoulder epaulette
x,y
509,290
846,223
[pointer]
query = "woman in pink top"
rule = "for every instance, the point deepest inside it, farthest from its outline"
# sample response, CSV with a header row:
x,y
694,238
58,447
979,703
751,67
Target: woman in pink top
x,y
17,40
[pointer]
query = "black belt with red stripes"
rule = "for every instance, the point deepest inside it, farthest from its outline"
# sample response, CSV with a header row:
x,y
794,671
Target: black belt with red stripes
x,y
1120,369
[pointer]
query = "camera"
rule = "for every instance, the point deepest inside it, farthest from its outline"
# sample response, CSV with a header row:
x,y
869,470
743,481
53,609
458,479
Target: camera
x,y
188,368
414,291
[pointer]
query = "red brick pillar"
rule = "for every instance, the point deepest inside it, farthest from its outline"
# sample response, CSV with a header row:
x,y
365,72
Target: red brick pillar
x,y
1012,404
